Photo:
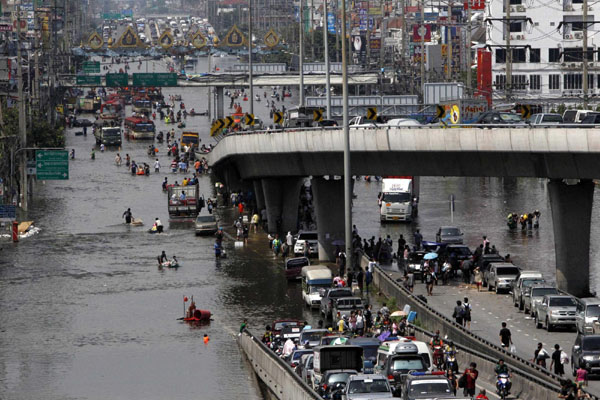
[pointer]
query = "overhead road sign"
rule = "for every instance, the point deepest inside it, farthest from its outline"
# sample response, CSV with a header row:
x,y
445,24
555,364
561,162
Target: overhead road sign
x,y
249,119
111,16
155,79
117,80
372,113
52,164
88,80
91,67
278,118
318,115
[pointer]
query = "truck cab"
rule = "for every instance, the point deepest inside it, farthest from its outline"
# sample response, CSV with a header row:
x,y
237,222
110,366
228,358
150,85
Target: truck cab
x,y
183,201
396,200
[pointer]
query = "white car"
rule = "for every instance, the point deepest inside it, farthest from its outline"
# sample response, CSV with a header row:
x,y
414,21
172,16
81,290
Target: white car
x,y
313,242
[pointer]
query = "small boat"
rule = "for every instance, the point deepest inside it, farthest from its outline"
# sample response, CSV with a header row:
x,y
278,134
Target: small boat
x,y
199,316
197,114
181,125
137,222
170,264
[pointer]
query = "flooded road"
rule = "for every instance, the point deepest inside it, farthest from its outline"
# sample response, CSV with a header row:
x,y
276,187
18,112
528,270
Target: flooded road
x,y
86,314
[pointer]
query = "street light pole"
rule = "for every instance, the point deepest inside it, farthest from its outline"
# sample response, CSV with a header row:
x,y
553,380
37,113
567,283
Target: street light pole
x,y
22,123
347,169
326,49
301,54
250,56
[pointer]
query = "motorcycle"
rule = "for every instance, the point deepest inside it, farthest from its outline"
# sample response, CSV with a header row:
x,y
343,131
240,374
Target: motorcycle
x,y
438,357
503,385
450,362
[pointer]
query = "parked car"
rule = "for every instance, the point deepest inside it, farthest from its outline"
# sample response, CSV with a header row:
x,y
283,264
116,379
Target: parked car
x,y
449,234
537,292
592,119
523,284
485,260
500,276
367,386
294,359
461,251
345,305
546,119
576,116
206,225
329,296
305,367
588,312
586,352
556,309
313,242
498,118
406,358
310,338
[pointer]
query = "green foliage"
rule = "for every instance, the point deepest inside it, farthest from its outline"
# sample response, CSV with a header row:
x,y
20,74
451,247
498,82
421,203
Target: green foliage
x,y
40,134
561,109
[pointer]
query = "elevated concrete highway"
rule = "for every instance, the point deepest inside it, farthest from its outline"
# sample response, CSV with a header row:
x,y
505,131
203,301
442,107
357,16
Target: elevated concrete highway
x,y
275,163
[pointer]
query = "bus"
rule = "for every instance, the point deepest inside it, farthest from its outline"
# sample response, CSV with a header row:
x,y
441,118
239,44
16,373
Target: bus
x,y
139,128
112,110
141,105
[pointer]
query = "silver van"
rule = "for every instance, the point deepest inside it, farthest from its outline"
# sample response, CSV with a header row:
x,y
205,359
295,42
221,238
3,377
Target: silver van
x,y
588,312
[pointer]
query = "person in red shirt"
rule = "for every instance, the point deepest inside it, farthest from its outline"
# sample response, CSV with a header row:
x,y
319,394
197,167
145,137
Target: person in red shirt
x,y
482,395
471,374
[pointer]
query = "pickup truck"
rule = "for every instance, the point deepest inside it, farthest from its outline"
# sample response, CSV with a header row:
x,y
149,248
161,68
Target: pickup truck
x,y
500,276
523,284
556,309
534,298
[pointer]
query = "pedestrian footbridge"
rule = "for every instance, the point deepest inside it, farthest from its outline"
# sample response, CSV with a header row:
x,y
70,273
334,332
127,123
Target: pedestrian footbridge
x,y
274,162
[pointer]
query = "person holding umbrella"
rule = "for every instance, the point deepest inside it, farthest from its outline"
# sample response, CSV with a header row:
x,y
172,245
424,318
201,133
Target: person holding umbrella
x,y
430,277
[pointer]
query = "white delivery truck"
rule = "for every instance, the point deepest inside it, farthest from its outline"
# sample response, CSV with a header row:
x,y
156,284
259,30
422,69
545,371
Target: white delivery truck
x,y
397,199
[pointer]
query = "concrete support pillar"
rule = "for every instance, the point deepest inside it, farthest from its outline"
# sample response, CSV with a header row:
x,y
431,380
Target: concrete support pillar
x,y
571,216
328,201
282,196
219,103
259,195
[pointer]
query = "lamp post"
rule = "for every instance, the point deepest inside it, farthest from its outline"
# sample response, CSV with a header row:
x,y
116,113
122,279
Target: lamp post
x,y
347,169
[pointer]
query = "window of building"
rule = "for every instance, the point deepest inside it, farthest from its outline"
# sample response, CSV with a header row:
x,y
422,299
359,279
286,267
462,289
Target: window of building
x,y
572,81
515,2
500,56
518,55
553,55
519,82
554,82
534,55
577,1
535,82
575,54
516,26
500,81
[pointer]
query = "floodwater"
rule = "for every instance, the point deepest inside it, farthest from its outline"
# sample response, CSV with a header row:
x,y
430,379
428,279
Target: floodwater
x,y
86,314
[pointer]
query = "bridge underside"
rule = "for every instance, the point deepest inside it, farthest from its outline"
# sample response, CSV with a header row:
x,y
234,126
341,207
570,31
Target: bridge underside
x,y
475,164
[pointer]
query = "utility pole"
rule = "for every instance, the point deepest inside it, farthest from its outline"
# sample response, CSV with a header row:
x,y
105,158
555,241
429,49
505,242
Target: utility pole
x,y
508,87
347,169
36,49
469,57
449,43
22,123
422,31
210,89
301,54
403,43
312,29
250,72
382,29
585,55
326,50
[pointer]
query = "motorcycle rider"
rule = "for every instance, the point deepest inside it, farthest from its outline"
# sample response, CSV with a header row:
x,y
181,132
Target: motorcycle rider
x,y
268,335
450,356
437,346
502,369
